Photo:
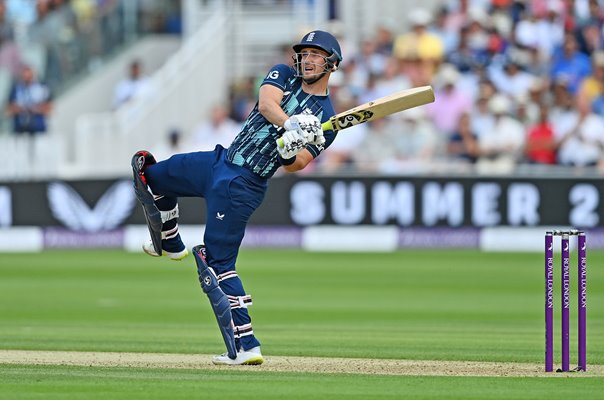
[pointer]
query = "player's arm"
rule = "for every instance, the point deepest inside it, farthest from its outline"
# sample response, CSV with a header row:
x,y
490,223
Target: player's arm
x,y
303,158
269,104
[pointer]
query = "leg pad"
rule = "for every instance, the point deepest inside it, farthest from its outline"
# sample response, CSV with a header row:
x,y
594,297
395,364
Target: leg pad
x,y
140,160
219,301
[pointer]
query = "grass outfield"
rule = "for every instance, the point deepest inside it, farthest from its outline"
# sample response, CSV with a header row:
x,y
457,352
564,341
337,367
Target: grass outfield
x,y
120,383
413,305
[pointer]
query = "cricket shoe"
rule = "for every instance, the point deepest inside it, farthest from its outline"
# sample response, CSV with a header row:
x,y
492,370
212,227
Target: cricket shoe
x,y
177,256
244,357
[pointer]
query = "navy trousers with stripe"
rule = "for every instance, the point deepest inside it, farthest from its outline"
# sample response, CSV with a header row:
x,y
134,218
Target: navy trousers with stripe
x,y
232,194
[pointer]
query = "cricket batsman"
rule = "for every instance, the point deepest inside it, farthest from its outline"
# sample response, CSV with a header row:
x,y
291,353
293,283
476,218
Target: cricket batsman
x,y
292,105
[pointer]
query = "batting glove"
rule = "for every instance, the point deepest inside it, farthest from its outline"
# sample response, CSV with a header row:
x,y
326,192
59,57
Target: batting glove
x,y
293,143
308,126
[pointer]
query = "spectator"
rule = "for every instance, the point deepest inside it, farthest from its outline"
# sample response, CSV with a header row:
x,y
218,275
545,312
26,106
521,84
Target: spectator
x,y
529,31
133,86
463,144
538,91
469,82
370,59
372,91
389,82
527,112
355,77
21,12
30,102
47,32
541,143
384,40
10,56
590,13
341,154
570,64
218,129
511,81
502,17
563,113
592,86
597,105
404,143
376,147
481,118
561,103
416,140
582,144
457,16
6,26
341,157
590,38
450,102
449,37
420,44
478,36
538,63
500,148
463,57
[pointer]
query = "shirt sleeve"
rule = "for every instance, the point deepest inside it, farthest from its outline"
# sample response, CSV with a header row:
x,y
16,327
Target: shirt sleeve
x,y
278,76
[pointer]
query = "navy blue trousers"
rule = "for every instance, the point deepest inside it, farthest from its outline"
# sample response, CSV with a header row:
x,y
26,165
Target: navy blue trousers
x,y
232,194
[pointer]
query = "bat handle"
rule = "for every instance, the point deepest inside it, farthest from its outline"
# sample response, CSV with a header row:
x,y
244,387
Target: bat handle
x,y
326,126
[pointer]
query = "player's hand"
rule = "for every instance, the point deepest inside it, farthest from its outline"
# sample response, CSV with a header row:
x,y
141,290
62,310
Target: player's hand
x,y
293,143
308,125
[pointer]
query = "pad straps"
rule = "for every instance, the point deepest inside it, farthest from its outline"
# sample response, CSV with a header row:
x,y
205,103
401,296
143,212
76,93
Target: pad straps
x,y
243,330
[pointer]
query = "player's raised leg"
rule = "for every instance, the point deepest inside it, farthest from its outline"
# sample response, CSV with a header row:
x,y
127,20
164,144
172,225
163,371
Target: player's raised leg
x,y
161,212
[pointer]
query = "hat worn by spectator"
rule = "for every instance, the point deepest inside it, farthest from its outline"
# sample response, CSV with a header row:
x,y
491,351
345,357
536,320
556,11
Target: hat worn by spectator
x,y
598,58
499,104
419,17
448,75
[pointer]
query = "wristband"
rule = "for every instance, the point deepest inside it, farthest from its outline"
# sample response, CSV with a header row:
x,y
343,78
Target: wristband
x,y
286,161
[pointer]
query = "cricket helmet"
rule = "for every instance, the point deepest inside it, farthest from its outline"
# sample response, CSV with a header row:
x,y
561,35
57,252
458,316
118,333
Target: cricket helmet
x,y
324,41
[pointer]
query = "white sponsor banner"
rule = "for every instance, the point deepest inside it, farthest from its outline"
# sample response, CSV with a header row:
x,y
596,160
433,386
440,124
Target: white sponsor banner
x,y
21,239
330,238
357,239
518,239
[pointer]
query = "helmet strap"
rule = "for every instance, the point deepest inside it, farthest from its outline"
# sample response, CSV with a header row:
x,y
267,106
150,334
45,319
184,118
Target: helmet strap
x,y
314,79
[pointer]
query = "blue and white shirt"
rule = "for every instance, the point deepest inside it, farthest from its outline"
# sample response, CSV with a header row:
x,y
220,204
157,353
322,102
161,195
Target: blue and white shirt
x,y
254,147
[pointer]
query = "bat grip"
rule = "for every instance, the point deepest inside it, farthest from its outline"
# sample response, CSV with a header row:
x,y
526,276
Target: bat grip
x,y
326,126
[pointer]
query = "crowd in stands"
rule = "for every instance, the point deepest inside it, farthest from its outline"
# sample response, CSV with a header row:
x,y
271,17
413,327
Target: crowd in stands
x,y
60,39
516,82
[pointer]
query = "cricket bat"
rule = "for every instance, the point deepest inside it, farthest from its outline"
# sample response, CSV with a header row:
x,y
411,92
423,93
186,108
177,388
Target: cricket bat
x,y
396,102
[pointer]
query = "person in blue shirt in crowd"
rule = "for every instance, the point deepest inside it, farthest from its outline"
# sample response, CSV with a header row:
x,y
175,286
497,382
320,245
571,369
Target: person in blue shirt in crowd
x,y
29,102
292,104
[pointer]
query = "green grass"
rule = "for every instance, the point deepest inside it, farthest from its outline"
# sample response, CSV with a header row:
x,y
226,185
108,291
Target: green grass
x,y
49,383
437,305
